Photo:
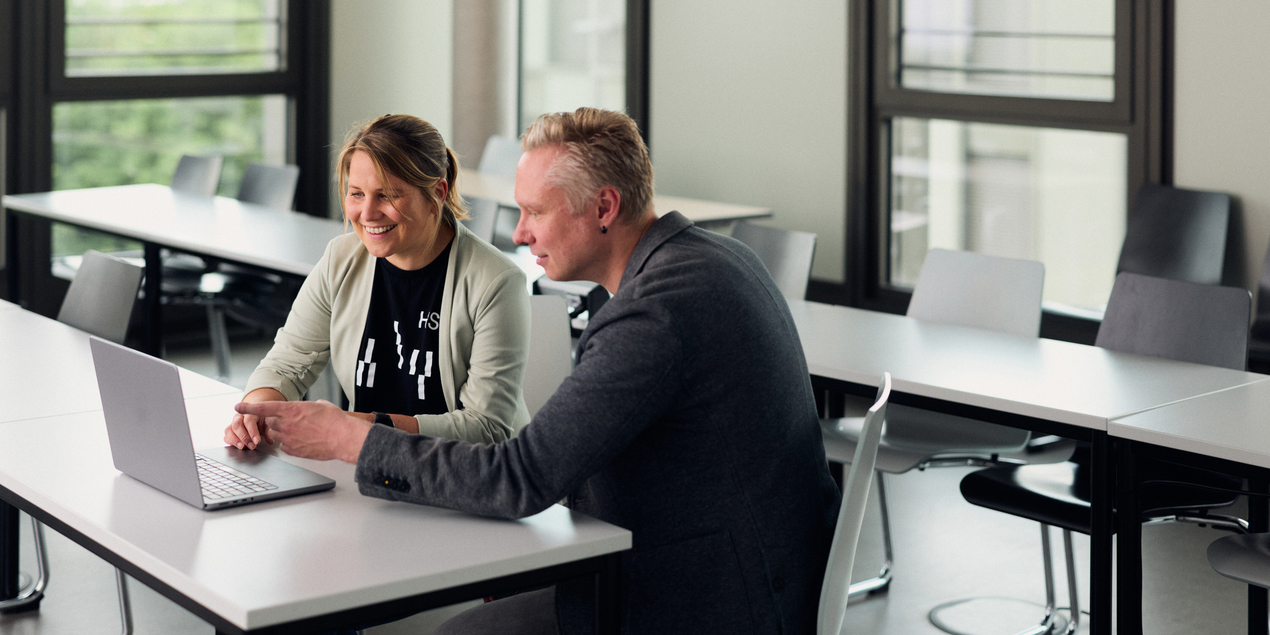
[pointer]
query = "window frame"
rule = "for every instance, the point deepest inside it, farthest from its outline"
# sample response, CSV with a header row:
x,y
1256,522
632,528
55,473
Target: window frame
x,y
637,33
40,82
1138,110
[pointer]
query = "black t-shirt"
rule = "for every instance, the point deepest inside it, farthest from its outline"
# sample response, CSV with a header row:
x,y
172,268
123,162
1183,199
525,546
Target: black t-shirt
x,y
398,365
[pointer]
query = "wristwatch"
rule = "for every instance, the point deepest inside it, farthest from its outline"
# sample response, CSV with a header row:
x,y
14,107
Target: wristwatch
x,y
383,418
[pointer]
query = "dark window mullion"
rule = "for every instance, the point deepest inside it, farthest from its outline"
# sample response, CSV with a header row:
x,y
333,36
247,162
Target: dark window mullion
x,y
7,18
171,86
965,106
886,113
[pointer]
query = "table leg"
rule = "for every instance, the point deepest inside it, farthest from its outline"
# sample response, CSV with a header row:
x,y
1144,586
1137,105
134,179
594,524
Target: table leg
x,y
153,305
608,596
11,254
1100,552
1258,522
8,551
1129,542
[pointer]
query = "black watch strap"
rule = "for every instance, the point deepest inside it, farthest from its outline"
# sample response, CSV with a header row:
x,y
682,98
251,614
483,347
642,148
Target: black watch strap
x,y
383,418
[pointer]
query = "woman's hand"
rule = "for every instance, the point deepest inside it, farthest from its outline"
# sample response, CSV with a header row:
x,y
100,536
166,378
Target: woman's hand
x,y
246,431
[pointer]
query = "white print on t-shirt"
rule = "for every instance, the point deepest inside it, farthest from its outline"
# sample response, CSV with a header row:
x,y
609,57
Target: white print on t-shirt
x,y
401,360
363,364
432,320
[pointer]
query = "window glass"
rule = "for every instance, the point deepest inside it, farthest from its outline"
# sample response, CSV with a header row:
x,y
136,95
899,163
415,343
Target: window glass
x,y
102,143
572,54
1027,48
173,37
1048,194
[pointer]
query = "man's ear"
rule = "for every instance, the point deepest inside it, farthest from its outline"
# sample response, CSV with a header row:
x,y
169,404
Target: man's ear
x,y
608,202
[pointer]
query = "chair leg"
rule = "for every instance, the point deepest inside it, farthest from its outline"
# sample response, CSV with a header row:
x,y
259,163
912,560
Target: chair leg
x,y
879,583
1073,620
220,340
125,604
1050,622
34,594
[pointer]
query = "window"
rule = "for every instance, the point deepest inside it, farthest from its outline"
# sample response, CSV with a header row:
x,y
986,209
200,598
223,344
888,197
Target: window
x,y
576,53
112,92
192,37
1017,128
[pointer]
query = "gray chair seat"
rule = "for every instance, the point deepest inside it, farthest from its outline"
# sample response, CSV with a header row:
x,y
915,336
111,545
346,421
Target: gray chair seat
x,y
1245,558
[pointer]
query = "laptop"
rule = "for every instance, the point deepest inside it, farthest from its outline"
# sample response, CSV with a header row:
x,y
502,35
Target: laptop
x,y
150,439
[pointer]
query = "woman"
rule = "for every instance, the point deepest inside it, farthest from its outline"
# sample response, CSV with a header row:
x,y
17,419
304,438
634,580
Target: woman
x,y
427,326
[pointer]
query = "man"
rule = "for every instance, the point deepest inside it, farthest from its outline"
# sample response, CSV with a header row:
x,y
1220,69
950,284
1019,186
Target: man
x,y
688,419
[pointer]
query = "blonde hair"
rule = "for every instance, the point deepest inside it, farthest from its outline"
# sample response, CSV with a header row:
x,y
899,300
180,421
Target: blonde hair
x,y
410,149
600,147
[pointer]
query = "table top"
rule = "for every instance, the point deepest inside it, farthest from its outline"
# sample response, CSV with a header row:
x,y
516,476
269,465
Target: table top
x,y
503,188
1057,381
278,240
278,561
226,228
46,368
1230,425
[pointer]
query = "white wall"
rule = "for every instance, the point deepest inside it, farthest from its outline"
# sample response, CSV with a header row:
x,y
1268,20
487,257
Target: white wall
x,y
1222,111
748,105
391,56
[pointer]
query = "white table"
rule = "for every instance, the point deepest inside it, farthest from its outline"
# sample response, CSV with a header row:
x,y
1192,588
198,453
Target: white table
x,y
46,369
1044,385
277,240
503,188
318,560
315,562
1226,431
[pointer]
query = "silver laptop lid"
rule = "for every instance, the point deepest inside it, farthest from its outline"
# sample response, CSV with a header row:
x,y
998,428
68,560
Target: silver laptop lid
x,y
145,419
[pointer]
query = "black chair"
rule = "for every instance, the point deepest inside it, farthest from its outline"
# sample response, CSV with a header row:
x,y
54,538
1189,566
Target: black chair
x,y
1259,336
1176,234
99,302
786,253
482,213
1183,321
246,294
197,175
269,185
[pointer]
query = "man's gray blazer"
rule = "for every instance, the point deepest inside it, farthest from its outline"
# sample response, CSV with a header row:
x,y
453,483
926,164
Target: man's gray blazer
x,y
689,419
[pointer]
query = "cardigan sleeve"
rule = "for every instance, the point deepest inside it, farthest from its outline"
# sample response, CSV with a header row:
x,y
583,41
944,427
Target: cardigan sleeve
x,y
490,404
302,346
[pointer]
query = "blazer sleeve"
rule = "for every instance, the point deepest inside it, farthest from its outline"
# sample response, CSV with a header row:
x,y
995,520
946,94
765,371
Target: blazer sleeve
x,y
628,378
490,403
302,346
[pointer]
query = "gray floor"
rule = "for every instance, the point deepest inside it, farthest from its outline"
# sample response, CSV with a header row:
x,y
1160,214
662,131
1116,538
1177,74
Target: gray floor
x,y
945,550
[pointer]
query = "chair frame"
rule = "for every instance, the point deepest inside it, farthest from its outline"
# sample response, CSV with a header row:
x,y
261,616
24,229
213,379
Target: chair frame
x,y
835,592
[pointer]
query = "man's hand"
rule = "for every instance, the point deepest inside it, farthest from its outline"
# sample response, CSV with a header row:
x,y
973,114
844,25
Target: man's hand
x,y
311,429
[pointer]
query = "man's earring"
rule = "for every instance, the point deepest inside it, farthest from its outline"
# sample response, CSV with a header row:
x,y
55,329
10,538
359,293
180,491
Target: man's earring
x,y
603,229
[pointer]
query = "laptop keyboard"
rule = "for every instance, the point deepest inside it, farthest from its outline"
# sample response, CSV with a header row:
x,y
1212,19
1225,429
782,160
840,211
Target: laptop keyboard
x,y
221,481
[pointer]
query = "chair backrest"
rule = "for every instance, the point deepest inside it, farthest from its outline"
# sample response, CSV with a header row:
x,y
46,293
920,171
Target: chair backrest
x,y
786,253
1200,323
500,156
269,185
1176,234
100,297
1263,294
197,175
482,212
846,535
988,292
550,349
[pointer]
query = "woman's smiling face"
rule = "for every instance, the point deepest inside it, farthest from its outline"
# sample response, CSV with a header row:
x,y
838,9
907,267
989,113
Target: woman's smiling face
x,y
394,220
